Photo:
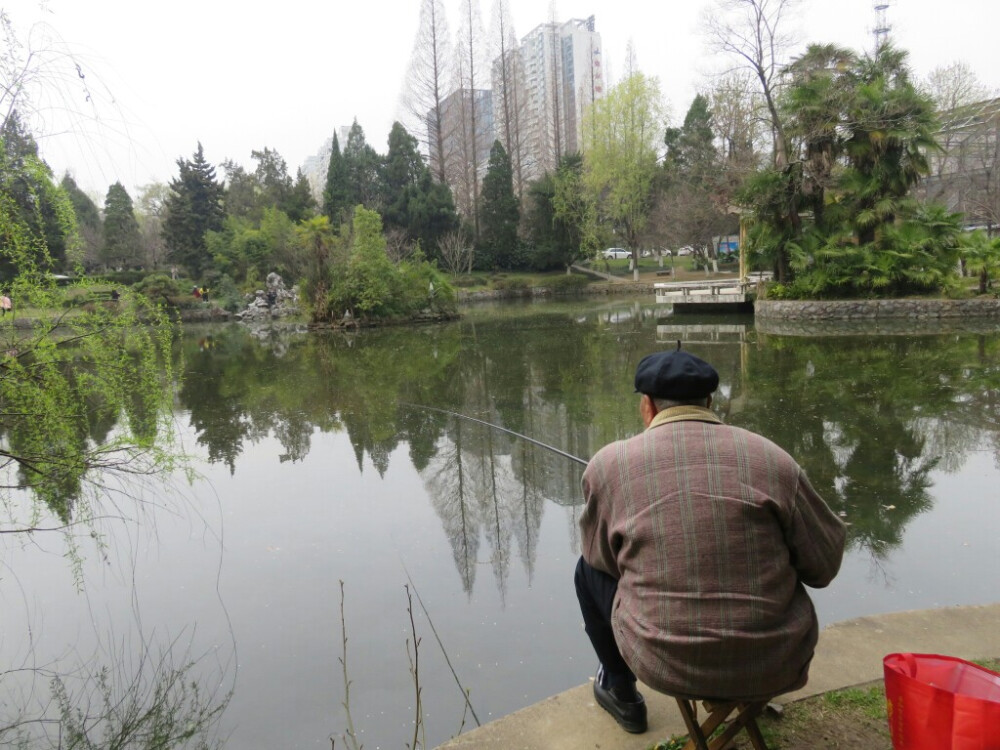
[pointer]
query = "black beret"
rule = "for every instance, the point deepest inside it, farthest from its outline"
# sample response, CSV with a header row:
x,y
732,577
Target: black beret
x,y
675,375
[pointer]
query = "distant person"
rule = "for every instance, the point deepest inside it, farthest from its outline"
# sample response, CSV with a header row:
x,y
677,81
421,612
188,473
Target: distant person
x,y
196,292
115,295
5,305
698,542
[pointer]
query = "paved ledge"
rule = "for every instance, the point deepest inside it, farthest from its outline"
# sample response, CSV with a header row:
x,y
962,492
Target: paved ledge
x,y
877,309
849,653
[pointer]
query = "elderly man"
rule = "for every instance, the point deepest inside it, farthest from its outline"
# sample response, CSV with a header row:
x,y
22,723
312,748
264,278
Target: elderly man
x,y
698,540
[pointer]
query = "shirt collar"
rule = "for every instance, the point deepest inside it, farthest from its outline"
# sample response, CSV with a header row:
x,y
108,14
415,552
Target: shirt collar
x,y
684,414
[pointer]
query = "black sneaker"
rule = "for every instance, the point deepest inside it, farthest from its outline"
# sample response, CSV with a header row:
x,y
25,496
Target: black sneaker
x,y
623,702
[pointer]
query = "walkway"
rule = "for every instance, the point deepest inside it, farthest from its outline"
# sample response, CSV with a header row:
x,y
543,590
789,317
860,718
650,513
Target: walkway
x,y
849,653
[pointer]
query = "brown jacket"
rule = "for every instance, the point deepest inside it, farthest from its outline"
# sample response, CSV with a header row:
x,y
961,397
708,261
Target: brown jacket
x,y
713,532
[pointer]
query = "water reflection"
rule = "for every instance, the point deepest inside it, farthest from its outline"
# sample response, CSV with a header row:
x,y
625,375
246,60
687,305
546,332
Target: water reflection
x,y
868,417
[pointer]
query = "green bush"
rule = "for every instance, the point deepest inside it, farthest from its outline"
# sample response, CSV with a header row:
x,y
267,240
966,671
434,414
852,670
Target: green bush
x,y
567,284
510,285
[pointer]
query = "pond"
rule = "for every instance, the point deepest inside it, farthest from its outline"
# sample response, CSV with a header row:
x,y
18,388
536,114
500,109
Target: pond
x,y
327,499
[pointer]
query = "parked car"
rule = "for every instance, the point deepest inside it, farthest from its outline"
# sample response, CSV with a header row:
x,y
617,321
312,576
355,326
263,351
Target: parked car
x,y
614,253
686,250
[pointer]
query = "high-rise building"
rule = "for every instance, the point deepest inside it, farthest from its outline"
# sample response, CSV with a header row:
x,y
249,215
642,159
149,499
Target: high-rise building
x,y
555,74
465,155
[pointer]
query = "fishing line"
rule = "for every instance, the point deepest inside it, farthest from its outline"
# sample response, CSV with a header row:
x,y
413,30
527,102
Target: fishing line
x,y
454,674
539,443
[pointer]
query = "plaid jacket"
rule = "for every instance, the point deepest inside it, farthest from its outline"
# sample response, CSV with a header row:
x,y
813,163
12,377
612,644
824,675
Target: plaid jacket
x,y
712,532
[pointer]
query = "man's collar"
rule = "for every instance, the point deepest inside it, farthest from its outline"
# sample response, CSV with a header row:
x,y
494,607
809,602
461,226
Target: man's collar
x,y
684,414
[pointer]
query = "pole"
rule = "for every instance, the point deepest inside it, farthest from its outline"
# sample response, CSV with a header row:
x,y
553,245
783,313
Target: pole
x,y
539,443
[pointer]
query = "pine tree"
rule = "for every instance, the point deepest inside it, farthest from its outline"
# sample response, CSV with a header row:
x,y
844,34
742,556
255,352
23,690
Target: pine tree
x,y
336,194
412,200
363,170
121,230
499,211
88,219
194,207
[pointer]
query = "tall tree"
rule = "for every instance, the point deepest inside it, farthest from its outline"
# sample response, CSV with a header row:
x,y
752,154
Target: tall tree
x,y
500,212
121,230
691,206
300,203
193,208
337,193
557,216
621,156
426,85
470,81
890,128
38,204
508,89
753,32
413,202
152,210
363,167
88,219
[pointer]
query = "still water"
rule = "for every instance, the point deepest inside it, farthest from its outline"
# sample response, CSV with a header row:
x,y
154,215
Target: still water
x,y
325,499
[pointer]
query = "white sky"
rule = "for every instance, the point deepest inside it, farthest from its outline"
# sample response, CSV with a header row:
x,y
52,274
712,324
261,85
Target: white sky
x,y
240,75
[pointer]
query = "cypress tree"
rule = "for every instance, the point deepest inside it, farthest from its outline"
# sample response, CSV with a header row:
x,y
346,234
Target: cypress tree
x,y
194,207
336,194
499,211
121,230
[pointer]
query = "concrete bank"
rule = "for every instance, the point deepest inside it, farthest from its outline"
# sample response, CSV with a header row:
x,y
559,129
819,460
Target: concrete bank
x,y
849,653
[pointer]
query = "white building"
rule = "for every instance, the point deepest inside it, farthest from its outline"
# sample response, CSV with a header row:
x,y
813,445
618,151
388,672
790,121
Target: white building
x,y
560,70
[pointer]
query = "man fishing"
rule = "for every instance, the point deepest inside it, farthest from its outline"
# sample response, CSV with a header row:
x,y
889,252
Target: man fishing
x,y
698,540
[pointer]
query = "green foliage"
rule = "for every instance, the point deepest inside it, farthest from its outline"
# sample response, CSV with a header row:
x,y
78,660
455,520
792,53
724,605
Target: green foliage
x,y
982,256
193,208
567,284
121,230
621,158
514,285
336,193
499,213
227,295
863,130
38,231
158,711
160,289
372,287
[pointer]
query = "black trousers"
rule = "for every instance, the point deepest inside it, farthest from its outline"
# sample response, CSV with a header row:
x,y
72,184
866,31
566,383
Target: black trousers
x,y
596,591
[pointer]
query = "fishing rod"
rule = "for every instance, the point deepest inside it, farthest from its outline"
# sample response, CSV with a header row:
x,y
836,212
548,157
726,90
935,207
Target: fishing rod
x,y
539,443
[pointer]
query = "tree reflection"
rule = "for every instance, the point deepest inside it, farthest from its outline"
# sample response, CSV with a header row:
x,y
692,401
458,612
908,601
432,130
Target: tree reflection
x,y
868,417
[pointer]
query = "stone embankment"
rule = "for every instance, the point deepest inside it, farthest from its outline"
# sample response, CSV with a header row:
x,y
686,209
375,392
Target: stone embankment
x,y
868,310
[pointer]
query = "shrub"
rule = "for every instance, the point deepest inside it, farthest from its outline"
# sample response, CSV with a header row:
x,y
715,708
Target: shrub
x,y
567,284
510,285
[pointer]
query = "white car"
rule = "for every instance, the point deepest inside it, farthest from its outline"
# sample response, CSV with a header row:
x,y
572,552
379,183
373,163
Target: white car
x,y
685,250
614,253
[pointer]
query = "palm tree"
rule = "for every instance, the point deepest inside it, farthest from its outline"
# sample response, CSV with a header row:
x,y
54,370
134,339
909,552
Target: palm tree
x,y
982,256
890,128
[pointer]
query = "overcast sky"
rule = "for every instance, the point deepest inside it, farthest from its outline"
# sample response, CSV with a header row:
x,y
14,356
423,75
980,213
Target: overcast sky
x,y
239,76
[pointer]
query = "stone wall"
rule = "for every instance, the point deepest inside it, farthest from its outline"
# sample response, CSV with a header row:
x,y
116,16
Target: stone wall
x,y
868,310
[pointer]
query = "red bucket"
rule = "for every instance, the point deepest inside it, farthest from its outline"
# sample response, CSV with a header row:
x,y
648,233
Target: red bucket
x,y
941,703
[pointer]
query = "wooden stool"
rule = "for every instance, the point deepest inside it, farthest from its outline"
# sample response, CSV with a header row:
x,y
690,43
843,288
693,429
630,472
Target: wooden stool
x,y
745,719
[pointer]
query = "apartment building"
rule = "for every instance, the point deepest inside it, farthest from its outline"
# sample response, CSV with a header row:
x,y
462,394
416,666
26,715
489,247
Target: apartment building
x,y
558,73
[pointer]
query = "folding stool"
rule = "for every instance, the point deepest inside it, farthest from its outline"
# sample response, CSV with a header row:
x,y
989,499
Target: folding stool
x,y
718,712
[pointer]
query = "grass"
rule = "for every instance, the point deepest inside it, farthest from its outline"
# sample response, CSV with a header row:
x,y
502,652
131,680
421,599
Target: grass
x,y
854,717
